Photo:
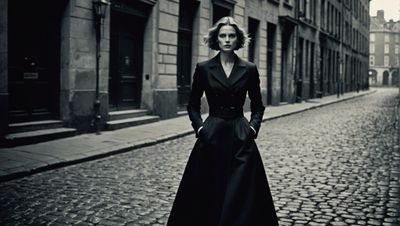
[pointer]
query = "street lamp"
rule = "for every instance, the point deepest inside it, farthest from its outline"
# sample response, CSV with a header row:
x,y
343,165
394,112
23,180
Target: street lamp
x,y
100,8
99,13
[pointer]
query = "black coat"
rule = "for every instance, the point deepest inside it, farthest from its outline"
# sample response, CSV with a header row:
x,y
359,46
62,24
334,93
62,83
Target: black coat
x,y
224,183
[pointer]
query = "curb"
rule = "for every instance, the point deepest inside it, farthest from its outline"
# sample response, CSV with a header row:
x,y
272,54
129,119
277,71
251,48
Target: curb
x,y
133,146
315,107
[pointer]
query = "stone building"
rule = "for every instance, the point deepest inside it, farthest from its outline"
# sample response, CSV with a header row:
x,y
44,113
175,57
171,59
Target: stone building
x,y
384,51
149,49
344,31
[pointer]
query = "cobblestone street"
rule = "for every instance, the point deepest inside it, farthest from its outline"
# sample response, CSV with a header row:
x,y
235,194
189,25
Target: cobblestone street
x,y
335,165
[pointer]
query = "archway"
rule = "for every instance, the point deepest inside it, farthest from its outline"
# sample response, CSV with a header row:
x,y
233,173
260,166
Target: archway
x,y
395,78
372,75
385,80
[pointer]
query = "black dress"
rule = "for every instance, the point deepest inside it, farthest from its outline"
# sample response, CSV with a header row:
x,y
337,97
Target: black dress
x,y
224,182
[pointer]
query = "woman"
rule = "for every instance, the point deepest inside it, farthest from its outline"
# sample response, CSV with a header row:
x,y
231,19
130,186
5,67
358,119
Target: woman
x,y
224,183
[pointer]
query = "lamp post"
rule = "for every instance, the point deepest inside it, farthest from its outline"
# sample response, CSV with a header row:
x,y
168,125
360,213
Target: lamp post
x,y
369,75
99,12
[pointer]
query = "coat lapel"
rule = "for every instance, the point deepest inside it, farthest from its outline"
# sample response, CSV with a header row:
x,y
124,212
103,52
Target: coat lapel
x,y
238,71
217,72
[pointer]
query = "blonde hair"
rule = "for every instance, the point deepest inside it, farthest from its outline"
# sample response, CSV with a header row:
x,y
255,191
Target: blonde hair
x,y
211,39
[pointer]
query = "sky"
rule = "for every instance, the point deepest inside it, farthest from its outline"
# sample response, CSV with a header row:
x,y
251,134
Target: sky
x,y
391,7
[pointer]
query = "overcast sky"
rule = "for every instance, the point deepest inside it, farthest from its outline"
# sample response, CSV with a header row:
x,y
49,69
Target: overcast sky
x,y
391,8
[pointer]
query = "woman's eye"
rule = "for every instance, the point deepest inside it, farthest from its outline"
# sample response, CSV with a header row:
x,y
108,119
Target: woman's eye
x,y
232,36
222,36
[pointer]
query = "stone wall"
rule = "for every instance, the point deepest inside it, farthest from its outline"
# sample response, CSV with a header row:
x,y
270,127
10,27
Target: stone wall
x,y
78,66
165,92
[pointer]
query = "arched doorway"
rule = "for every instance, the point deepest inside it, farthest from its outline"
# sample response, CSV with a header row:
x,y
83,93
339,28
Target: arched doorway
x,y
385,80
372,75
395,78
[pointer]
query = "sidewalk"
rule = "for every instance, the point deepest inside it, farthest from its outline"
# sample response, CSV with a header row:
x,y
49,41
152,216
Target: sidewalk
x,y
25,160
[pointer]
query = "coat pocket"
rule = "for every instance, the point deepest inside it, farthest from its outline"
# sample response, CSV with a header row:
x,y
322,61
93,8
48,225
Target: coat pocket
x,y
250,131
242,129
203,131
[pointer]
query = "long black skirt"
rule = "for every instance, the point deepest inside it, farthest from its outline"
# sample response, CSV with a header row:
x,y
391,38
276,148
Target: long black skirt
x,y
224,182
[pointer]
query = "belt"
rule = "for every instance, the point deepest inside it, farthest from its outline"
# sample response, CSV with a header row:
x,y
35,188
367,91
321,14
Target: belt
x,y
227,112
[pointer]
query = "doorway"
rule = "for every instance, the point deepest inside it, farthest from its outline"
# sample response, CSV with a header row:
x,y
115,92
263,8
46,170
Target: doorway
x,y
285,66
311,71
126,60
395,78
184,58
385,80
34,59
271,28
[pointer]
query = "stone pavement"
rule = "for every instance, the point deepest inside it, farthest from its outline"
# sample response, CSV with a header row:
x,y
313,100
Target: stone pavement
x,y
25,160
331,166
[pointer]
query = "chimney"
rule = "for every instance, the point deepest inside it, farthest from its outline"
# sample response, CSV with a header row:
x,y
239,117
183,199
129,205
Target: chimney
x,y
380,14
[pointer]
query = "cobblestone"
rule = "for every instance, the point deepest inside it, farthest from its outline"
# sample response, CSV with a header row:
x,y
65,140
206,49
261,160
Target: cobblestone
x,y
336,165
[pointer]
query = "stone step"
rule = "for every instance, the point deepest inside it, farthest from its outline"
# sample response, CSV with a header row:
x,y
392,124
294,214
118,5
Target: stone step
x,y
182,113
118,115
124,123
32,137
34,125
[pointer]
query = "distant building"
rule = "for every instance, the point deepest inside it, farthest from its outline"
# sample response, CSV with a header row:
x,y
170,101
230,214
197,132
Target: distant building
x,y
384,51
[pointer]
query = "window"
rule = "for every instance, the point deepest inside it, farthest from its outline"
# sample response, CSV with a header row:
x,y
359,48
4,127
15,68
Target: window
x,y
307,9
328,24
386,48
322,16
301,7
386,37
396,49
253,25
371,60
221,9
397,38
314,8
372,37
372,48
386,59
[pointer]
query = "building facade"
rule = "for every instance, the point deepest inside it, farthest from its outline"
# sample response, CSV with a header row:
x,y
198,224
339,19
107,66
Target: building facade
x,y
384,51
149,48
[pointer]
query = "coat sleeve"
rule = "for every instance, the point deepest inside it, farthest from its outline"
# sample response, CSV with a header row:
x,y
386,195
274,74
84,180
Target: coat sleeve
x,y
194,104
256,104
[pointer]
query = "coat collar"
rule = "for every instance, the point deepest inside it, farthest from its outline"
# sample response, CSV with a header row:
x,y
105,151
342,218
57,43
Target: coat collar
x,y
238,70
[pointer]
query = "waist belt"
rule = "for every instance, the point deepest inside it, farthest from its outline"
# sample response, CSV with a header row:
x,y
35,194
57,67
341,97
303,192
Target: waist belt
x,y
226,112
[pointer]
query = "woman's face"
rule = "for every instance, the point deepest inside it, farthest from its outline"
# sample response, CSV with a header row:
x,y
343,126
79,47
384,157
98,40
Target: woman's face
x,y
227,38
